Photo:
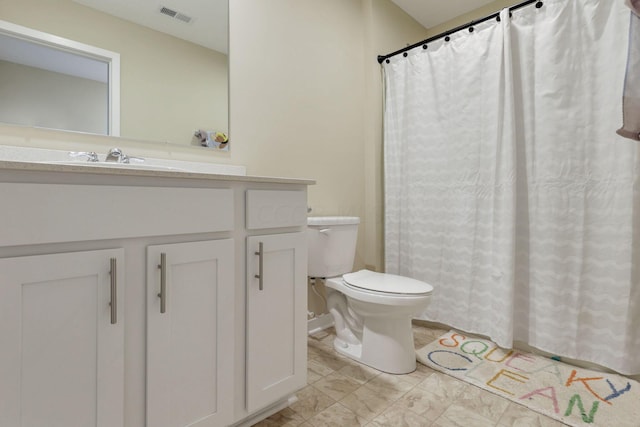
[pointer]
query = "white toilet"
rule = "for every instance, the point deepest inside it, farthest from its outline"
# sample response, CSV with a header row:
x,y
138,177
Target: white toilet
x,y
372,311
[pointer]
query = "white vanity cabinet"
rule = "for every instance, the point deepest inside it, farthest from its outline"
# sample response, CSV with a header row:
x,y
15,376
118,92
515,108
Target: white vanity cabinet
x,y
191,339
62,339
189,361
276,297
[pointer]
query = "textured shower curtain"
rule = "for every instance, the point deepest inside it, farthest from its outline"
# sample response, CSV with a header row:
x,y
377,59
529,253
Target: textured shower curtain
x,y
507,187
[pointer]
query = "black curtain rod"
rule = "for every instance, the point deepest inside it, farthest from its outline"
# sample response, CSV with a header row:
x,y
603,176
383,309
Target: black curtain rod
x,y
382,58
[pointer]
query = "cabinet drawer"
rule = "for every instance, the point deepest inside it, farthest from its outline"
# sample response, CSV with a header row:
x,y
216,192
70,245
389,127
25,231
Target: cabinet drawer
x,y
273,209
48,213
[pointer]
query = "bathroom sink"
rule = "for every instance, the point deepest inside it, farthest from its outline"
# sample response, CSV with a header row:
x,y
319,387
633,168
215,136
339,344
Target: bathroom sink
x,y
112,165
63,157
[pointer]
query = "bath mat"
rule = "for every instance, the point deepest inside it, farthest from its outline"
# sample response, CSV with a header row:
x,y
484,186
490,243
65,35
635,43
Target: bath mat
x,y
572,395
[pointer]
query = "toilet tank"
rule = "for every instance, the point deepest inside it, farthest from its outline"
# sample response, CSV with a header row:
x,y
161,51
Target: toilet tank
x,y
332,245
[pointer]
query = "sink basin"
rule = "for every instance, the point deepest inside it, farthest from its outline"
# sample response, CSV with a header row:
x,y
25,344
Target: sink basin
x,y
112,165
60,157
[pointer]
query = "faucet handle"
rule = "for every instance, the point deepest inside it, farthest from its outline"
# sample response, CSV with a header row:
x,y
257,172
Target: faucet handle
x,y
91,156
131,159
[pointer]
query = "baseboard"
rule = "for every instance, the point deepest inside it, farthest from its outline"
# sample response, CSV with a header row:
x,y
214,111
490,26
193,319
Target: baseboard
x,y
319,323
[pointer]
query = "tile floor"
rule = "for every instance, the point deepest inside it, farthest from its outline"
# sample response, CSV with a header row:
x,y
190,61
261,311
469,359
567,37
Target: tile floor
x,y
342,393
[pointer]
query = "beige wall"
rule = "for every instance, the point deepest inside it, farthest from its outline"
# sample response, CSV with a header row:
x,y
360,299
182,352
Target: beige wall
x,y
314,109
306,101
169,87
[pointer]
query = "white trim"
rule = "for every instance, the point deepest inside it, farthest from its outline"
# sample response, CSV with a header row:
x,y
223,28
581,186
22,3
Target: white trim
x,y
319,323
112,59
114,95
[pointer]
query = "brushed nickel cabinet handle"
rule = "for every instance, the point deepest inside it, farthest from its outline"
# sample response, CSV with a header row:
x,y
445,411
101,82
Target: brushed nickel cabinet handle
x,y
163,282
260,275
114,290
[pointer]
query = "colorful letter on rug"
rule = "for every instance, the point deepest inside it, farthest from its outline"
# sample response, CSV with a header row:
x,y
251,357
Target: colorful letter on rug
x,y
572,395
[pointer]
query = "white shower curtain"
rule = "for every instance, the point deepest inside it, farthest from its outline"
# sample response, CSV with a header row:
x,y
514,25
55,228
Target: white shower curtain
x,y
508,188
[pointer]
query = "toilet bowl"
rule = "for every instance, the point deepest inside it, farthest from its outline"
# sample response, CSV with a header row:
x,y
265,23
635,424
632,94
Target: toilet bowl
x,y
372,311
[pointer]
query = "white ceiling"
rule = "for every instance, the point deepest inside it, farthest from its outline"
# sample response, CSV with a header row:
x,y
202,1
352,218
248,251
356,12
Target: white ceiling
x,y
208,26
430,13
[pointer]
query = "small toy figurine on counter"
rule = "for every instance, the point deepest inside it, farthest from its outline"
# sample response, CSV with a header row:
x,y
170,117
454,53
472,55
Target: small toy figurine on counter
x,y
213,139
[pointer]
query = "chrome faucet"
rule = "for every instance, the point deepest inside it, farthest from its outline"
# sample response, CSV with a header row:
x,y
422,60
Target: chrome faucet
x,y
116,155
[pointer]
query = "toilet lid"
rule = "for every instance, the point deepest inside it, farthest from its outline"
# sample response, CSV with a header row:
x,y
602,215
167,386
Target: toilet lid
x,y
387,283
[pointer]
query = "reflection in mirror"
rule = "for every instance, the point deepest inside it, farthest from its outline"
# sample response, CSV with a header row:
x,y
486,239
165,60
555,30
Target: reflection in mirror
x,y
57,83
169,87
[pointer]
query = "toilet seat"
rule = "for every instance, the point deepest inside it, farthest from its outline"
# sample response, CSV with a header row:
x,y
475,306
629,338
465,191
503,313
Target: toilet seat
x,y
387,284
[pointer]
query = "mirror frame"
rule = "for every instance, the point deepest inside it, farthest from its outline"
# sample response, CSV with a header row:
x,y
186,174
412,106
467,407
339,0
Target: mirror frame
x,y
112,59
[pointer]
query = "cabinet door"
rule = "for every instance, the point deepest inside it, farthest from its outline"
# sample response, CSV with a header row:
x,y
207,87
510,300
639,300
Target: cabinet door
x,y
189,346
276,317
61,347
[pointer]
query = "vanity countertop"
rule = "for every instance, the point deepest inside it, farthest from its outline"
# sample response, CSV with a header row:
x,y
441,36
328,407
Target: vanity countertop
x,y
81,168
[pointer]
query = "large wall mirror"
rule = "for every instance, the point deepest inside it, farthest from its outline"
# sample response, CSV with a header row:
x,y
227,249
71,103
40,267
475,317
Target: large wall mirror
x,y
56,83
172,58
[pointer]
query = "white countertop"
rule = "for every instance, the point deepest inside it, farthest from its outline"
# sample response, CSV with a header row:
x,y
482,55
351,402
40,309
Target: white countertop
x,y
29,159
80,168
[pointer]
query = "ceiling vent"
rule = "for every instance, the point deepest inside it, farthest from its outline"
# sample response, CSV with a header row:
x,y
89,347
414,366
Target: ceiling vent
x,y
175,14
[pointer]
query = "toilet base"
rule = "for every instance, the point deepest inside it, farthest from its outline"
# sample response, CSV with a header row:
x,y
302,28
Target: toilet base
x,y
387,345
352,351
